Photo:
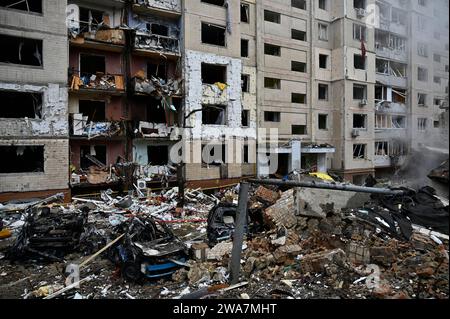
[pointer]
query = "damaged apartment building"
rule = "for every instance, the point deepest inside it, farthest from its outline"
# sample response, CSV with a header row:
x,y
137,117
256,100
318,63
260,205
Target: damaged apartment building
x,y
125,91
33,93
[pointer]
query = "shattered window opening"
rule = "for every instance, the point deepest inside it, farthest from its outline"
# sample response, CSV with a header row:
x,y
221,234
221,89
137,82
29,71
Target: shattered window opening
x,y
298,66
272,83
159,29
245,82
422,124
421,99
158,155
299,4
90,19
23,51
156,113
213,115
299,130
244,48
359,92
245,118
422,74
214,73
398,121
359,62
359,151
323,121
272,116
323,92
271,16
298,98
157,70
323,61
98,152
92,64
94,110
298,35
245,13
213,34
382,148
22,159
360,121
20,104
34,6
214,154
220,3
271,49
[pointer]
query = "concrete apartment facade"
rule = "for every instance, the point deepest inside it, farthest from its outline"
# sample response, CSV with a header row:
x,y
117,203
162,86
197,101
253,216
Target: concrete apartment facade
x,y
350,87
33,92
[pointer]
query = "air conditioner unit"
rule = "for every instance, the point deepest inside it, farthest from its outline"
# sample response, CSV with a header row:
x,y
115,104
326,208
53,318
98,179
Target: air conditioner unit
x,y
363,102
142,184
360,13
355,133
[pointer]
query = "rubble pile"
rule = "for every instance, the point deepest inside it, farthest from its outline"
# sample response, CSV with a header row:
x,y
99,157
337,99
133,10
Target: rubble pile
x,y
145,246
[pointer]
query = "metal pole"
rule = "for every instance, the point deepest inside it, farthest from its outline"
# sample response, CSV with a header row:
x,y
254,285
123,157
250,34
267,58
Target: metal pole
x,y
322,185
238,236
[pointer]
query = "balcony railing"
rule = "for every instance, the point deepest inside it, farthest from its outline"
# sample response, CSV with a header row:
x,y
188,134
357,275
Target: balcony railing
x,y
155,42
166,5
81,127
98,81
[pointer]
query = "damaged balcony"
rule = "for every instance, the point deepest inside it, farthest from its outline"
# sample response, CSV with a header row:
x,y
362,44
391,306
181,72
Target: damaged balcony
x,y
82,128
390,46
214,87
154,45
391,73
389,154
390,100
108,40
166,8
95,82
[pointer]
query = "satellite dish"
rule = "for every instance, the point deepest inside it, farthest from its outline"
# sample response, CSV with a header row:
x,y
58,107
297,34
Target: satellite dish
x,y
73,16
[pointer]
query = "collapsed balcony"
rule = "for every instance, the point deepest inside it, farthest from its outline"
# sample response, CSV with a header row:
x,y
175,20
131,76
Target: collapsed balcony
x,y
80,126
390,100
145,42
167,7
96,81
390,46
156,86
390,153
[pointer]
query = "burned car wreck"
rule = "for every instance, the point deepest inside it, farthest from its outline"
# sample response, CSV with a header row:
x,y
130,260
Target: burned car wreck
x,y
149,249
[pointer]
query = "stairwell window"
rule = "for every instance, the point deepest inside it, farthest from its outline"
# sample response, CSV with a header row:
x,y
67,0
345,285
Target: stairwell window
x,y
359,32
323,32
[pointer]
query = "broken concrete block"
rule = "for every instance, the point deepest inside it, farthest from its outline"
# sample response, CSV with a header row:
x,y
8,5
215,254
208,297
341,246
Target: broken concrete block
x,y
358,254
287,252
282,213
219,251
200,251
383,255
267,195
317,262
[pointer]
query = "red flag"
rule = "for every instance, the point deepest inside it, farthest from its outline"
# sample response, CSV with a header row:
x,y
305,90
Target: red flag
x,y
363,49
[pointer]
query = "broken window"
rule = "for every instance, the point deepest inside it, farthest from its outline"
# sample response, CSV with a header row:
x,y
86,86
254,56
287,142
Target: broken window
x,y
214,73
398,121
155,111
398,69
24,5
213,34
323,92
299,130
298,98
159,29
245,118
272,83
157,70
437,102
158,155
323,4
359,92
323,121
90,19
398,148
381,121
245,82
298,66
272,116
298,35
359,4
359,62
246,157
215,2
20,105
382,66
422,74
360,121
18,50
381,148
437,80
213,115
245,13
22,159
271,16
436,124
214,154
323,61
323,32
94,110
421,99
422,124
89,154
244,48
299,4
380,93
399,96
92,64
359,151
271,49
359,32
